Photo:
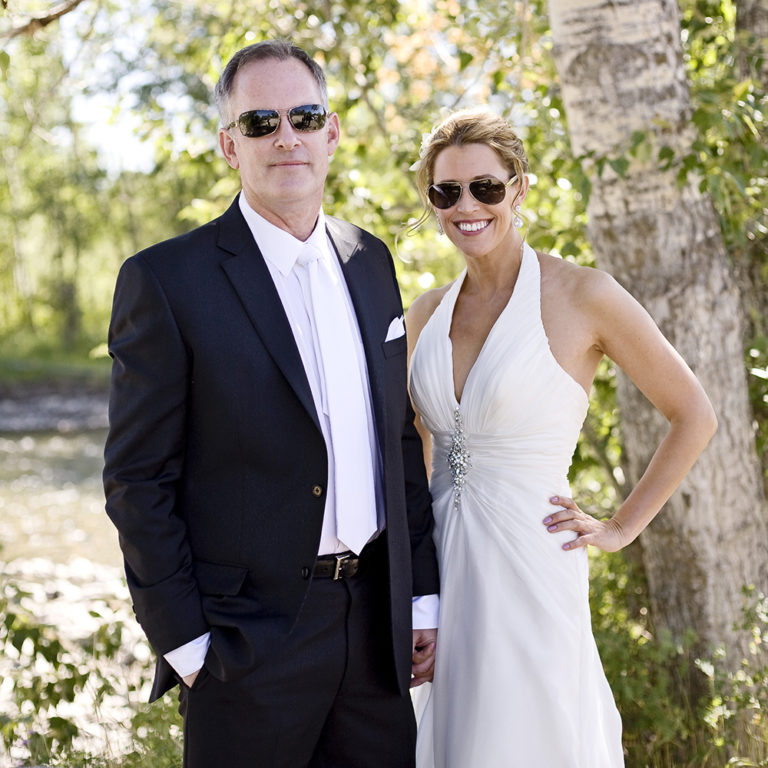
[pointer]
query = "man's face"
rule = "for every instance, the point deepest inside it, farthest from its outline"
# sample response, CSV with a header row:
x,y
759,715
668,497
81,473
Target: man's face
x,y
283,174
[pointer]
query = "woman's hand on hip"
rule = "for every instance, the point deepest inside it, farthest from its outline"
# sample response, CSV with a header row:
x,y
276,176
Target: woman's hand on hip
x,y
604,534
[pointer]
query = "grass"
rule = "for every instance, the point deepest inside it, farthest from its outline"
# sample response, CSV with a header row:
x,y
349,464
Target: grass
x,y
59,371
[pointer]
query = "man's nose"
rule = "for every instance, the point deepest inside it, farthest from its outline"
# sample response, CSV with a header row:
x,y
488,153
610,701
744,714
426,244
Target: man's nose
x,y
286,135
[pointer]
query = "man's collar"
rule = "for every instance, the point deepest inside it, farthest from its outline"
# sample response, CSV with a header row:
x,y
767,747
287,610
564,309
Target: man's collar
x,y
279,247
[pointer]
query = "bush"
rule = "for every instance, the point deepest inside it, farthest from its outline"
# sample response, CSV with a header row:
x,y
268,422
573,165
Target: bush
x,y
678,711
60,693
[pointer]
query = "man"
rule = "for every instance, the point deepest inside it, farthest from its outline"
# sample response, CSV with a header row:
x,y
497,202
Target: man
x,y
262,466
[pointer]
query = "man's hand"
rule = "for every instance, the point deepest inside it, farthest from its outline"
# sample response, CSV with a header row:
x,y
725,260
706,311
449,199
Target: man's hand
x,y
423,658
189,680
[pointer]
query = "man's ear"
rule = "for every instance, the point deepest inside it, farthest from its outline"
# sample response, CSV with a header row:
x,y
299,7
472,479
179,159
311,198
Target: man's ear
x,y
229,148
334,133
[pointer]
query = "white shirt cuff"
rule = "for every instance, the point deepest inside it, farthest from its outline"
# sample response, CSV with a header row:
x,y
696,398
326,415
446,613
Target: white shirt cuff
x,y
426,611
189,657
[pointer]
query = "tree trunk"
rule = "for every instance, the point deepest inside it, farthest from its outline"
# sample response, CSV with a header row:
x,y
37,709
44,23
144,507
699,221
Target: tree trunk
x,y
751,262
621,67
752,24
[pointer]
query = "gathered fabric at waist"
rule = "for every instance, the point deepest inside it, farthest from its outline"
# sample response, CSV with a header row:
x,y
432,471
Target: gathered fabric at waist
x,y
528,458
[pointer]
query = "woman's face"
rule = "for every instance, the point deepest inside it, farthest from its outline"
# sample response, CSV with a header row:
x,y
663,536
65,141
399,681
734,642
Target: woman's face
x,y
477,229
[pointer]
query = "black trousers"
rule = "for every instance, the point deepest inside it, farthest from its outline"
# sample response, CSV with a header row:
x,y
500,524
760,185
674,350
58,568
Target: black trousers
x,y
328,698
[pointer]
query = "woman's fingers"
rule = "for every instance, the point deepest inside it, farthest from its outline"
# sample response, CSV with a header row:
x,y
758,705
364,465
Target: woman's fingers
x,y
570,511
571,518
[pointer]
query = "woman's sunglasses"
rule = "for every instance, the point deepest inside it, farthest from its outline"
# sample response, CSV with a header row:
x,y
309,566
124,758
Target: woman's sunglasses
x,y
262,122
487,191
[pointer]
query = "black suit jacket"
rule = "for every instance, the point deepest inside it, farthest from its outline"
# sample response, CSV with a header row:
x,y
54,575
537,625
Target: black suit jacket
x,y
215,465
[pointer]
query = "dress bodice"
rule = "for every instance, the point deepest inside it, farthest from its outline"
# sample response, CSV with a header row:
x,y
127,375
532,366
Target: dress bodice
x,y
518,407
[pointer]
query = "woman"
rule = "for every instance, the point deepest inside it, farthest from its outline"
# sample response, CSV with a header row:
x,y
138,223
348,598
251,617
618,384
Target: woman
x,y
502,362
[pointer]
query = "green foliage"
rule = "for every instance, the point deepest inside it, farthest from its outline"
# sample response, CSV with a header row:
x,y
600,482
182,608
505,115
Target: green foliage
x,y
596,473
678,711
730,154
757,362
156,736
45,675
647,672
54,680
738,711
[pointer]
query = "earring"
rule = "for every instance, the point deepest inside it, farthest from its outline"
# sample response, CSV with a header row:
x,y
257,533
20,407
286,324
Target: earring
x,y
439,227
518,220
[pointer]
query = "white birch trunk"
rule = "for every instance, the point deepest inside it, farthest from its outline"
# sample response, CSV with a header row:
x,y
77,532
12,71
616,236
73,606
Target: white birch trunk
x,y
620,64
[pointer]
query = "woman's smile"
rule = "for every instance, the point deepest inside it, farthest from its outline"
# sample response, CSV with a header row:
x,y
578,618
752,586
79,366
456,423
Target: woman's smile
x,y
470,227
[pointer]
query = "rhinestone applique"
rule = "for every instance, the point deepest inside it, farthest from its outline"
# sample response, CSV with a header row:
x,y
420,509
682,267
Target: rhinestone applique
x,y
458,456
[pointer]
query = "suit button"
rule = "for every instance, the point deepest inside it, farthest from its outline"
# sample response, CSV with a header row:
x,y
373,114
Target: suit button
x,y
317,490
305,572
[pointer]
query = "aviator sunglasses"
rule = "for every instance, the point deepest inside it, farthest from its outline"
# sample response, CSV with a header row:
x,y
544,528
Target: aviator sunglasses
x,y
262,122
488,191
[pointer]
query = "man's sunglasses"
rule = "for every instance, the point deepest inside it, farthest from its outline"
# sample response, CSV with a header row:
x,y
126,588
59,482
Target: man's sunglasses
x,y
262,122
488,191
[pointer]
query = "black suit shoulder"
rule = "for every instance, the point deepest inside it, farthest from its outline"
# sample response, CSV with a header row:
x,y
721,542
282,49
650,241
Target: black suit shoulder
x,y
353,232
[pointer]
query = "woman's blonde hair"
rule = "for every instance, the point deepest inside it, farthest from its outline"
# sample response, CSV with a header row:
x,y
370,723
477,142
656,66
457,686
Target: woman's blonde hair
x,y
469,126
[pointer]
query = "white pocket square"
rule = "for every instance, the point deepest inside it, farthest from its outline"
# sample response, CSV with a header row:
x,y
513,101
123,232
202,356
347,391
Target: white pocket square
x,y
396,329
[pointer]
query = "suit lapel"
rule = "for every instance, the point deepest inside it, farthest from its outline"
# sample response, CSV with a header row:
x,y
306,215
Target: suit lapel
x,y
363,293
251,280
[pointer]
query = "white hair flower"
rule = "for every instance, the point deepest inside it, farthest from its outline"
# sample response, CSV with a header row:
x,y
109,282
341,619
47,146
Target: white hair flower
x,y
426,140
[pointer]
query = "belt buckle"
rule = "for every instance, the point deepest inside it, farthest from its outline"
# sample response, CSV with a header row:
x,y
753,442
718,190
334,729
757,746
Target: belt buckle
x,y
340,560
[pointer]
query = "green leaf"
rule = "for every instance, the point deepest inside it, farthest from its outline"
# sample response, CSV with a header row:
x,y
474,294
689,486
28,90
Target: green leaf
x,y
465,59
620,165
704,118
570,249
666,153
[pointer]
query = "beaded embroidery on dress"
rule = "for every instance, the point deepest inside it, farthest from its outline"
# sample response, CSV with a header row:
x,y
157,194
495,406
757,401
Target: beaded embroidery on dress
x,y
518,680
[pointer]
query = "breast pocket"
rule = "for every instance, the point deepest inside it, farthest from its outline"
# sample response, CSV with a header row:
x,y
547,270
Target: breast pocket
x,y
394,347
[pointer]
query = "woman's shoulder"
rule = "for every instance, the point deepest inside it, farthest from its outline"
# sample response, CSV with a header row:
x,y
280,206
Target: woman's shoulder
x,y
573,281
423,307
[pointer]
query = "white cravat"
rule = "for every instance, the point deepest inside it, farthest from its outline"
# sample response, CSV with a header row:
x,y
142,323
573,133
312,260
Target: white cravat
x,y
343,400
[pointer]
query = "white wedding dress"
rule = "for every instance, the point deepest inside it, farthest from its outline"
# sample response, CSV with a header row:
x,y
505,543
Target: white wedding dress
x,y
518,681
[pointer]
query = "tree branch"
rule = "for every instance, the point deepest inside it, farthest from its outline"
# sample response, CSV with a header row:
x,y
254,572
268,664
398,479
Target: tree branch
x,y
33,25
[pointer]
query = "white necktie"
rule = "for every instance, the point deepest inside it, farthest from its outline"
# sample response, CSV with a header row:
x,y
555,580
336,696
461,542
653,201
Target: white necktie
x,y
343,399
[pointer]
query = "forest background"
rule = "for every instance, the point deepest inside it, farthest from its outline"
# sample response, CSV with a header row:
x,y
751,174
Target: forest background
x,y
108,140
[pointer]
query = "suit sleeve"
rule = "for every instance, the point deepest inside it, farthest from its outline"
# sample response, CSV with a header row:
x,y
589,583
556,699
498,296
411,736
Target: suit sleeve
x,y
144,458
426,579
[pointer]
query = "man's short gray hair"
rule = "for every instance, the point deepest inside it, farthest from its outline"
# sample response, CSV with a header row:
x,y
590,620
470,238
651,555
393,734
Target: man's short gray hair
x,y
267,49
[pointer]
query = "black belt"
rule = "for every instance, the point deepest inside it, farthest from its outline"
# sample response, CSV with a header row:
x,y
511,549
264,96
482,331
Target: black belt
x,y
340,566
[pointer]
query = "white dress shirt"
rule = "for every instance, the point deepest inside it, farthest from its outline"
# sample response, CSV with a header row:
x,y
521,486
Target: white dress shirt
x,y
280,250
